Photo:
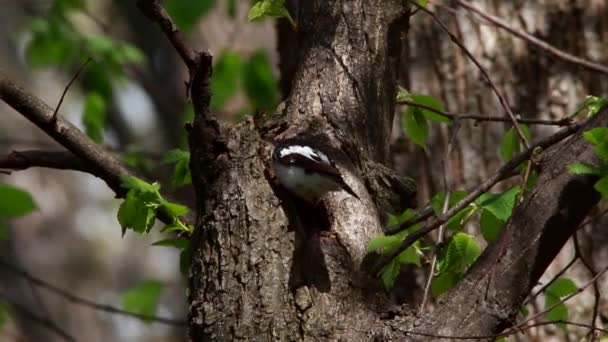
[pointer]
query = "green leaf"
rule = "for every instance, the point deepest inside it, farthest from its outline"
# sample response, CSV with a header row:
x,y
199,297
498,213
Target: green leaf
x,y
46,50
562,287
181,172
126,53
269,9
510,143
143,298
175,155
94,116
131,182
558,289
137,212
175,209
225,79
4,314
394,220
259,82
443,282
186,13
389,274
597,135
490,225
3,231
422,2
15,202
179,243
583,169
592,105
429,101
602,186
457,220
415,126
501,204
460,253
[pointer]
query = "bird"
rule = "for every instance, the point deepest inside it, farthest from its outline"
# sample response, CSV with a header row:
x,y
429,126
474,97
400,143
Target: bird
x,y
306,171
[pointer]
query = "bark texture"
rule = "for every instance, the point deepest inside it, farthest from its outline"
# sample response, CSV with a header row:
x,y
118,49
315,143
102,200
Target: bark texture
x,y
243,279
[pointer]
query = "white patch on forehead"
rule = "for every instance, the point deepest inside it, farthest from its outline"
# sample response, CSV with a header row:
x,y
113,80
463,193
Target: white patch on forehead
x,y
305,151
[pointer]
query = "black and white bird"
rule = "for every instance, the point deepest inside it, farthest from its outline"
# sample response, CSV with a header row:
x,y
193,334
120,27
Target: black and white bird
x,y
306,171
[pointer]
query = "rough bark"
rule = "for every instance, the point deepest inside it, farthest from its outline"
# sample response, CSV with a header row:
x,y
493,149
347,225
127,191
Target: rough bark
x,y
242,275
244,252
488,298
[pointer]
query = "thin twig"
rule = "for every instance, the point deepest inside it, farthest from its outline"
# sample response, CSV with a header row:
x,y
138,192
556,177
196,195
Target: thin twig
x,y
478,191
593,273
563,300
557,275
453,132
560,54
62,160
503,100
37,319
83,301
67,87
504,333
479,117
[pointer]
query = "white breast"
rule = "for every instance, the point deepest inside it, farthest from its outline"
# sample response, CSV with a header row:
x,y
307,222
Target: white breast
x,y
309,186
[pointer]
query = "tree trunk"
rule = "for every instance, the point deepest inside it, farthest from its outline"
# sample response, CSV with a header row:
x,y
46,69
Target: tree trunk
x,y
243,282
252,275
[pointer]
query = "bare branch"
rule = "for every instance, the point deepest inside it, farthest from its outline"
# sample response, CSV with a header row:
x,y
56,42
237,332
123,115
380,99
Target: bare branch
x,y
479,117
67,87
96,159
83,301
37,319
503,100
472,196
548,48
62,160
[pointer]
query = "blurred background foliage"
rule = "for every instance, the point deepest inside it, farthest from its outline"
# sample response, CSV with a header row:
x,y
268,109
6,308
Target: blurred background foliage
x,y
130,96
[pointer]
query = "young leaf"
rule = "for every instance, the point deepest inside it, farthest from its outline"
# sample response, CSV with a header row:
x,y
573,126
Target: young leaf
x,y
260,84
444,282
15,202
457,220
602,186
94,116
143,298
461,252
186,13
3,231
269,9
181,172
597,135
179,243
432,102
136,212
130,182
510,143
583,169
490,225
175,209
225,79
415,126
501,204
4,316
389,274
558,289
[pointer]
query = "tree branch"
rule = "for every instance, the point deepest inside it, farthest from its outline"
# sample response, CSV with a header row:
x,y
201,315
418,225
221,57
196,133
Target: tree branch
x,y
548,48
102,163
62,160
83,301
537,231
97,160
478,117
37,319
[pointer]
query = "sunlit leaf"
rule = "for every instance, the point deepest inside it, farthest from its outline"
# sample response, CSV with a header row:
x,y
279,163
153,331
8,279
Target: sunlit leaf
x,y
143,298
